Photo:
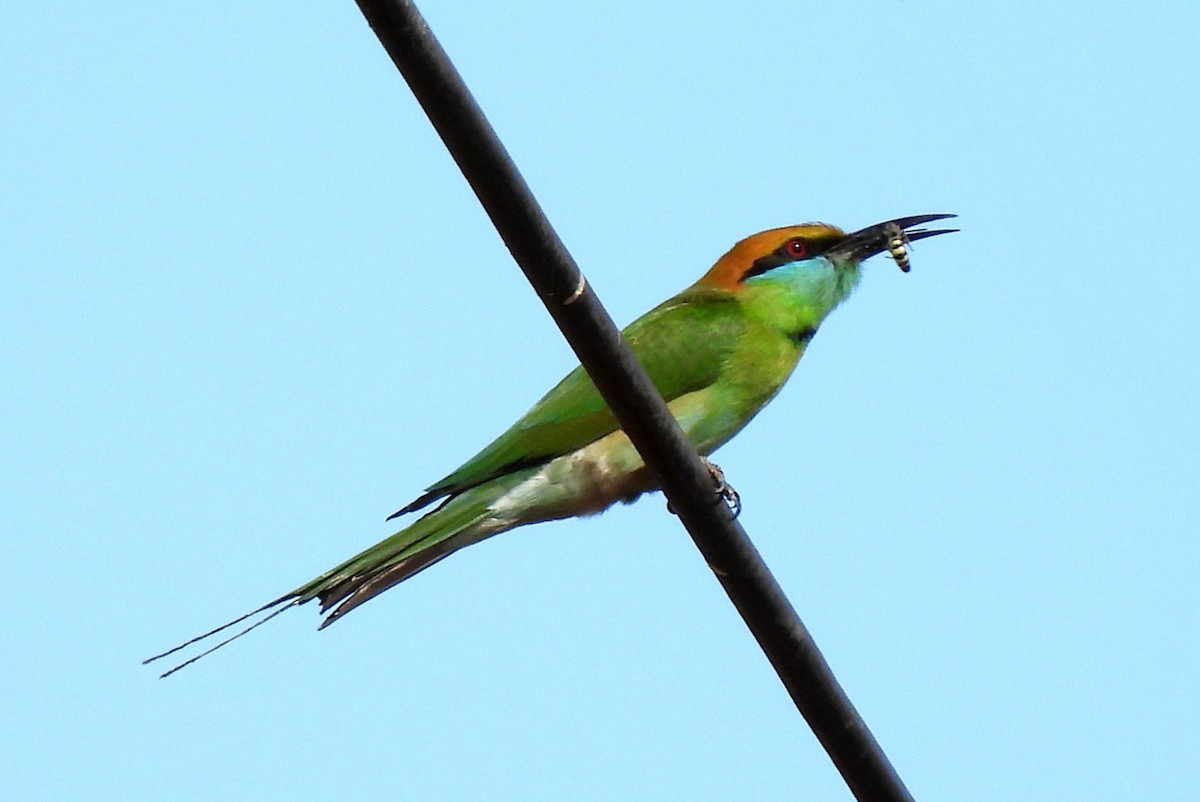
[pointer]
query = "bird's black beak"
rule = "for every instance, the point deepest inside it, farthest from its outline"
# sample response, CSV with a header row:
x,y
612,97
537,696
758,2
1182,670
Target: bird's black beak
x,y
878,238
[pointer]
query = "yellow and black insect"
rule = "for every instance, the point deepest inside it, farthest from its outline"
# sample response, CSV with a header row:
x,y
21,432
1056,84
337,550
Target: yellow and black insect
x,y
897,245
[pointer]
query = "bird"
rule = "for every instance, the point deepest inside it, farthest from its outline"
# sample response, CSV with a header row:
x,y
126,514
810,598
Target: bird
x,y
717,352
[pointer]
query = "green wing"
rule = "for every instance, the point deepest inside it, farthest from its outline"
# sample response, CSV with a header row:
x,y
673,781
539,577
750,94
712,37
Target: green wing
x,y
682,344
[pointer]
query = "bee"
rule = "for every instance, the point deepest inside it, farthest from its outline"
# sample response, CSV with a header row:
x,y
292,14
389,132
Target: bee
x,y
897,246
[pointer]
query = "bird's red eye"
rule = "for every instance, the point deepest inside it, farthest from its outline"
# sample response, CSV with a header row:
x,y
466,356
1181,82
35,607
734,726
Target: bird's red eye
x,y
796,248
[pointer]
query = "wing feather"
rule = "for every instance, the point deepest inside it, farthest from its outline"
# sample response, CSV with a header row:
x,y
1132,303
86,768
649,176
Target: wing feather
x,y
681,343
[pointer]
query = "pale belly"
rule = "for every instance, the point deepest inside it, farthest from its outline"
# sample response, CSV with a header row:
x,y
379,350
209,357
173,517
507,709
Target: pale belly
x,y
609,470
584,482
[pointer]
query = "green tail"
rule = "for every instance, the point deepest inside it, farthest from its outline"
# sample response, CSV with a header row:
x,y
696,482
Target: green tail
x,y
460,521
450,527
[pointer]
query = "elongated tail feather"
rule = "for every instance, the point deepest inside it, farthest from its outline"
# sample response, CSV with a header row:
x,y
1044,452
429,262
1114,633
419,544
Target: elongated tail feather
x,y
269,605
463,520
225,642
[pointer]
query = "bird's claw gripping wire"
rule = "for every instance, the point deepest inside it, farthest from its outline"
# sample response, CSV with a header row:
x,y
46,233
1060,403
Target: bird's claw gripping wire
x,y
725,491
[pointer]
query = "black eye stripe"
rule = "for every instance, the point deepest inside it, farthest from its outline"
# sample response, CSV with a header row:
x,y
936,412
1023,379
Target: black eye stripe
x,y
782,256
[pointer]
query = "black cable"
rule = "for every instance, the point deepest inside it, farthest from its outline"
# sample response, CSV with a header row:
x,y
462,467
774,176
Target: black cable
x,y
628,391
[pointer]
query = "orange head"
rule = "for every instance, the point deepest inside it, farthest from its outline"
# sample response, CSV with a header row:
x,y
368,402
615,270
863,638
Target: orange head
x,y
760,252
776,247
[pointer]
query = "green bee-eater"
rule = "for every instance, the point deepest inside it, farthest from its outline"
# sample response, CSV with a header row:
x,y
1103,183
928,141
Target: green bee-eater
x,y
717,352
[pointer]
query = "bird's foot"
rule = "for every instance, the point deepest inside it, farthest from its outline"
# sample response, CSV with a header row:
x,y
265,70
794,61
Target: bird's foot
x,y
725,491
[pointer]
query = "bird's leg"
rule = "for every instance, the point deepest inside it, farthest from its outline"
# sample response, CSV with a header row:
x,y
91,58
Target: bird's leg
x,y
725,491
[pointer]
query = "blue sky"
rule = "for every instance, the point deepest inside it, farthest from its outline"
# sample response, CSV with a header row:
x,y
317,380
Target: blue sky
x,y
248,307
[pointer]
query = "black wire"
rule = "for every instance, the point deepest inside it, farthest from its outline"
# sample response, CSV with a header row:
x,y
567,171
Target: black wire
x,y
686,481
